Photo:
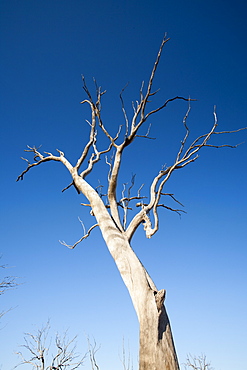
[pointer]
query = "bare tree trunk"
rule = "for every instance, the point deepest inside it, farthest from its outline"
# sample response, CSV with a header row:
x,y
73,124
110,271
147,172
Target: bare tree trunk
x,y
157,350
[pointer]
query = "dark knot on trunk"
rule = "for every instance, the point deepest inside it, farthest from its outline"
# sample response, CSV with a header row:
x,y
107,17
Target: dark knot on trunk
x,y
159,298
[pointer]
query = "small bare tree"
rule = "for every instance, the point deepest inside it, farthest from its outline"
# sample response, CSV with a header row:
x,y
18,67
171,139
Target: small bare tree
x,y
157,351
198,363
126,359
6,283
92,350
65,357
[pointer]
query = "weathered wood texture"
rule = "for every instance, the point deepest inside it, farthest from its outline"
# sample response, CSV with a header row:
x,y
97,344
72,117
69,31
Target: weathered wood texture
x,y
157,351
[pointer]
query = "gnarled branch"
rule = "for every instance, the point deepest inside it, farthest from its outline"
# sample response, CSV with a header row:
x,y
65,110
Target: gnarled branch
x,y
49,157
183,158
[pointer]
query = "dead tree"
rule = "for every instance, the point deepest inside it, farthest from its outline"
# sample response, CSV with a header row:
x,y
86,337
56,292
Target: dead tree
x,y
197,363
157,351
38,348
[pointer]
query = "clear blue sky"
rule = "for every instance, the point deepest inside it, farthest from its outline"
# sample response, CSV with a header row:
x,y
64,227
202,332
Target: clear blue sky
x,y
199,259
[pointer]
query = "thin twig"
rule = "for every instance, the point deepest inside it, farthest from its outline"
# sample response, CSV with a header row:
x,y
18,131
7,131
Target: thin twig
x,y
86,235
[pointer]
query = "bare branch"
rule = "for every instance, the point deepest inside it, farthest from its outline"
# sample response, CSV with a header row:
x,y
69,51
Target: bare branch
x,y
125,200
49,157
173,197
178,211
95,112
109,163
124,203
93,349
86,234
91,137
166,103
141,93
229,132
132,198
38,351
197,363
126,361
118,133
186,133
146,135
183,158
99,190
95,157
164,41
112,185
71,184
140,109
8,282
86,89
124,111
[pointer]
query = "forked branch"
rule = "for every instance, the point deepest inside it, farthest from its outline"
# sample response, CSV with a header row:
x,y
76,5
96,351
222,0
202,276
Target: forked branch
x,y
183,158
39,158
86,235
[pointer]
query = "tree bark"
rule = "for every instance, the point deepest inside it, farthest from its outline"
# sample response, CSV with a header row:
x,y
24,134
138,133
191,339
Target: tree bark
x,y
157,350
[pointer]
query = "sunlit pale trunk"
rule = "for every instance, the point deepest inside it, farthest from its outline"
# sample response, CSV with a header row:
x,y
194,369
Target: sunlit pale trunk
x,y
157,351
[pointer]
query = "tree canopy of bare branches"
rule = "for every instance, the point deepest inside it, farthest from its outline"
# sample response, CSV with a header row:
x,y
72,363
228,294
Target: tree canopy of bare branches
x,y
157,349
37,347
198,363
